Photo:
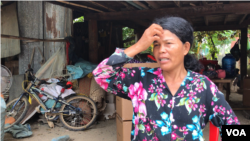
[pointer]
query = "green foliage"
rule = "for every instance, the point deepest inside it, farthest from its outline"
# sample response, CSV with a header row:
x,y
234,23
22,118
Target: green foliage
x,y
211,41
128,33
207,41
78,20
149,50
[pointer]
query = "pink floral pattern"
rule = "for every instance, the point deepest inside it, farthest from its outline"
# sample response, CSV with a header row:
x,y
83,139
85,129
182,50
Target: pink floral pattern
x,y
158,115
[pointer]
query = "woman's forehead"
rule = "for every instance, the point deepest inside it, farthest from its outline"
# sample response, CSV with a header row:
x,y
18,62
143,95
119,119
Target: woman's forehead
x,y
166,39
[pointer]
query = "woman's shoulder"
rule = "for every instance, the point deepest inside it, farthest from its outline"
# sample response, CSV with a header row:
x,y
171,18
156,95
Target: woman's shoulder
x,y
203,78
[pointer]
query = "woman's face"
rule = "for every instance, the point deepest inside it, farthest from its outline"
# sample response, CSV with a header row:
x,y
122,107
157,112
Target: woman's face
x,y
169,51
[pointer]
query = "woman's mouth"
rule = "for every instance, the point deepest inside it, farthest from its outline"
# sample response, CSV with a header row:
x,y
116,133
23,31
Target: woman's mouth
x,y
164,60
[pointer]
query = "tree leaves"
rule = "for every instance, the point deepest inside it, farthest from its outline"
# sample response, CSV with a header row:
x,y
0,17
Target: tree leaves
x,y
126,34
211,40
78,20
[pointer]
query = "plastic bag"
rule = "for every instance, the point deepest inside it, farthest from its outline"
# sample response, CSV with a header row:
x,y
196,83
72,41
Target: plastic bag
x,y
235,51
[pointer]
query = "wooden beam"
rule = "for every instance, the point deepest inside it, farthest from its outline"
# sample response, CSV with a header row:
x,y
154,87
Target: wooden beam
x,y
140,4
243,18
142,22
79,5
215,3
74,8
32,39
204,3
243,57
205,17
93,41
98,4
177,3
192,4
127,5
184,11
206,20
153,4
188,19
219,27
225,20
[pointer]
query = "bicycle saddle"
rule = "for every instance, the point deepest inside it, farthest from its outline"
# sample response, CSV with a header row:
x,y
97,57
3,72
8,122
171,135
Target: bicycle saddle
x,y
64,84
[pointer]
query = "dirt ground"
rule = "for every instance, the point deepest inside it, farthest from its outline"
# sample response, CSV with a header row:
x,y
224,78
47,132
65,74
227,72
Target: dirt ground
x,y
103,130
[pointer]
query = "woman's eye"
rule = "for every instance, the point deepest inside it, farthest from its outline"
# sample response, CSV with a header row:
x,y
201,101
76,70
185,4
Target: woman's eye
x,y
156,45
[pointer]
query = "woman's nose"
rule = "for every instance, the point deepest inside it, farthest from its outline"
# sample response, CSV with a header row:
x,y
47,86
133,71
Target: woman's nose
x,y
162,49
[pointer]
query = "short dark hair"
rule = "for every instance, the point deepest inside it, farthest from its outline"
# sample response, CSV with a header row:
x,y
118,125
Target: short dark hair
x,y
184,31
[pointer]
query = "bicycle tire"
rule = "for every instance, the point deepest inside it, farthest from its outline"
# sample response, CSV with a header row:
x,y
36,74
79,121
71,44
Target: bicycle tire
x,y
20,118
72,128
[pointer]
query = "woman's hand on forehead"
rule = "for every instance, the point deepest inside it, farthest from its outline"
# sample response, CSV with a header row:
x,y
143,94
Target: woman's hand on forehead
x,y
151,34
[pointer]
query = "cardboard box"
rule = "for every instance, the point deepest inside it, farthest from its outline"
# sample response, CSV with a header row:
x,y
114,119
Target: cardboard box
x,y
123,129
124,108
148,65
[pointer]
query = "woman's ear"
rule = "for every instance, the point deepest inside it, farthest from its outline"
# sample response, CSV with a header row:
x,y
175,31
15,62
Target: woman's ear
x,y
186,48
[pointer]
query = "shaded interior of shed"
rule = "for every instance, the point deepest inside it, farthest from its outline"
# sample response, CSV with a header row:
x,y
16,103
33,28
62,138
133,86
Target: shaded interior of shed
x,y
101,32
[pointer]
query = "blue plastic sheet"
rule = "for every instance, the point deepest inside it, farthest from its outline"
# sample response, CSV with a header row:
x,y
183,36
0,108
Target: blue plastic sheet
x,y
61,138
81,69
49,104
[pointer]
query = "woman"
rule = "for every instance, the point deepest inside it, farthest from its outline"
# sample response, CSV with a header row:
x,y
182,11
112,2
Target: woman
x,y
171,102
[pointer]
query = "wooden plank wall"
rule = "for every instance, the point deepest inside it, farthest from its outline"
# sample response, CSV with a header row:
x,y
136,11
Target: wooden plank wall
x,y
41,20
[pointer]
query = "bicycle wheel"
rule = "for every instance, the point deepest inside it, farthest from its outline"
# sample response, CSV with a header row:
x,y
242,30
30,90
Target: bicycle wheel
x,y
18,112
80,120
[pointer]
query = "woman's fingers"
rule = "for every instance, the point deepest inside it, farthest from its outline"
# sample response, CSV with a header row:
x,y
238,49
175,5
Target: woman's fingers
x,y
156,38
158,27
157,33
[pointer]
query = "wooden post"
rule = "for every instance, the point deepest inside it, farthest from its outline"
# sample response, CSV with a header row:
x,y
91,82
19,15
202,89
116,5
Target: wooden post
x,y
243,58
120,37
93,41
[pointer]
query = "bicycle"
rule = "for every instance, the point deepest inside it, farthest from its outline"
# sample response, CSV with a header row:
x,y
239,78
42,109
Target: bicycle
x,y
72,114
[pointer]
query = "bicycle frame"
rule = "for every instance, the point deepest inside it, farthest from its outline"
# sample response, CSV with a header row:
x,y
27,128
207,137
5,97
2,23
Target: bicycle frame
x,y
32,89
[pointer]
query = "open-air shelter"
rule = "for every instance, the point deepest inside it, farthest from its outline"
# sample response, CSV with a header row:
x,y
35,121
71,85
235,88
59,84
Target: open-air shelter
x,y
203,15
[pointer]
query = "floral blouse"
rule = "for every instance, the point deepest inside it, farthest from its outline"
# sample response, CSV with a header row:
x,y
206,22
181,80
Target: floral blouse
x,y
158,115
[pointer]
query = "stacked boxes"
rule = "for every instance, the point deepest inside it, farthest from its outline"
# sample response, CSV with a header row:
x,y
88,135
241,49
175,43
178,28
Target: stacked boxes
x,y
124,109
124,115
